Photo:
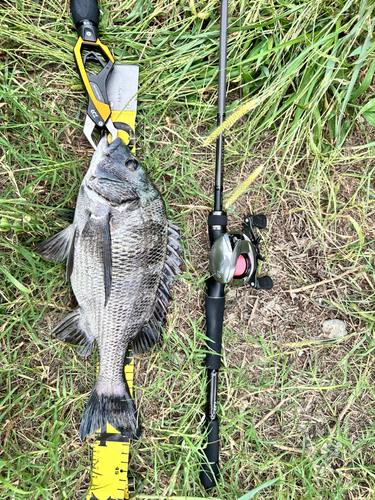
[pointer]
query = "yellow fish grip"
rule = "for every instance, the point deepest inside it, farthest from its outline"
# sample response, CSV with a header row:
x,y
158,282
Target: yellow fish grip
x,y
110,461
95,52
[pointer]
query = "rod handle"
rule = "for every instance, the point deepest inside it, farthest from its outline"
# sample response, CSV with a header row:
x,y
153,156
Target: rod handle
x,y
214,305
84,10
210,467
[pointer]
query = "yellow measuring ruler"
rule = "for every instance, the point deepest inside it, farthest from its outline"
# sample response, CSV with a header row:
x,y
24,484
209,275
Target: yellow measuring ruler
x,y
110,461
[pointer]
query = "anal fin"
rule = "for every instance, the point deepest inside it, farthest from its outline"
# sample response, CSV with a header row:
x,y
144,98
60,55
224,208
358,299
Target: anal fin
x,y
70,330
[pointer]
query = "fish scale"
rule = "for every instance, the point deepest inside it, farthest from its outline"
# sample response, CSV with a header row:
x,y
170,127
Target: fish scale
x,y
127,304
122,256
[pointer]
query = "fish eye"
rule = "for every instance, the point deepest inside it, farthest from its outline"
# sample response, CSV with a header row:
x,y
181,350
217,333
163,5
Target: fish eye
x,y
132,164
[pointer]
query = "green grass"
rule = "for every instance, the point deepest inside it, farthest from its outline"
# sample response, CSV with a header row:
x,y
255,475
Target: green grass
x,y
293,406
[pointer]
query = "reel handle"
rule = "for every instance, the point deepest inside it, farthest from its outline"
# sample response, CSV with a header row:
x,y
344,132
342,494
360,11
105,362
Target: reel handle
x,y
85,17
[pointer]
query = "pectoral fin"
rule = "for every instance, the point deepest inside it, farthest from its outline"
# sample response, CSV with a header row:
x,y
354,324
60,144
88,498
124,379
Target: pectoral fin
x,y
57,248
70,263
107,261
98,232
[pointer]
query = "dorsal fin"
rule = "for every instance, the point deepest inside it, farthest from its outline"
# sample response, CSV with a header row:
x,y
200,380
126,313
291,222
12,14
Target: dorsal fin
x,y
150,332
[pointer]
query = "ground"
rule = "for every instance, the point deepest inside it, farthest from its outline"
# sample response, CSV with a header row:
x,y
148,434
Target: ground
x,y
295,405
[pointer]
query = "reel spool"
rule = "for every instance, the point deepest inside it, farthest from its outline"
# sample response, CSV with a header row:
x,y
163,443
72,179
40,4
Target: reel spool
x,y
234,257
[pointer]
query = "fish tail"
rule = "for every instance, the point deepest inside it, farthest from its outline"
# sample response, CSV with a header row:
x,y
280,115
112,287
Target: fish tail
x,y
109,408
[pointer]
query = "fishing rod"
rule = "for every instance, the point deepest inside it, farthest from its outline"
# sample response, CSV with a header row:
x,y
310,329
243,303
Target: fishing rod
x,y
233,259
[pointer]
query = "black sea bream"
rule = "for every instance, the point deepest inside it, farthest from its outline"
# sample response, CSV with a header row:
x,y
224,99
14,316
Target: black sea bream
x,y
122,256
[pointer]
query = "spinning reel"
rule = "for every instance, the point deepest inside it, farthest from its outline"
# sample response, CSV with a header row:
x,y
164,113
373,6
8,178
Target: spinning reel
x,y
234,257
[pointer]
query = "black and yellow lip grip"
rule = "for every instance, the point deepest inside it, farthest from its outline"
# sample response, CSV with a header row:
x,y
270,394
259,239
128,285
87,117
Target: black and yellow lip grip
x,y
89,49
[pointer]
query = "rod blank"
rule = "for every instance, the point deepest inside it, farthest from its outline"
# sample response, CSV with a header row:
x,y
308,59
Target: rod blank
x,y
218,200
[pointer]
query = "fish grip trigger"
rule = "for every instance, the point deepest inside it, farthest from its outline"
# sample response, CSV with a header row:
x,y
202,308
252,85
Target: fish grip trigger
x,y
235,256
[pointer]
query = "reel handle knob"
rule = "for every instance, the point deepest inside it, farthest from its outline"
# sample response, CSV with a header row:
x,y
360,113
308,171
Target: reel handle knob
x,y
259,221
265,283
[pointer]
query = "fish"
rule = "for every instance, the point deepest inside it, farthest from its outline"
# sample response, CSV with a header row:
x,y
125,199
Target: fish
x,y
123,255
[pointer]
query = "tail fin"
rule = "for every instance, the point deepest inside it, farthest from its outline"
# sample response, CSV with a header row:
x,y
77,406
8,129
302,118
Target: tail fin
x,y
119,411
